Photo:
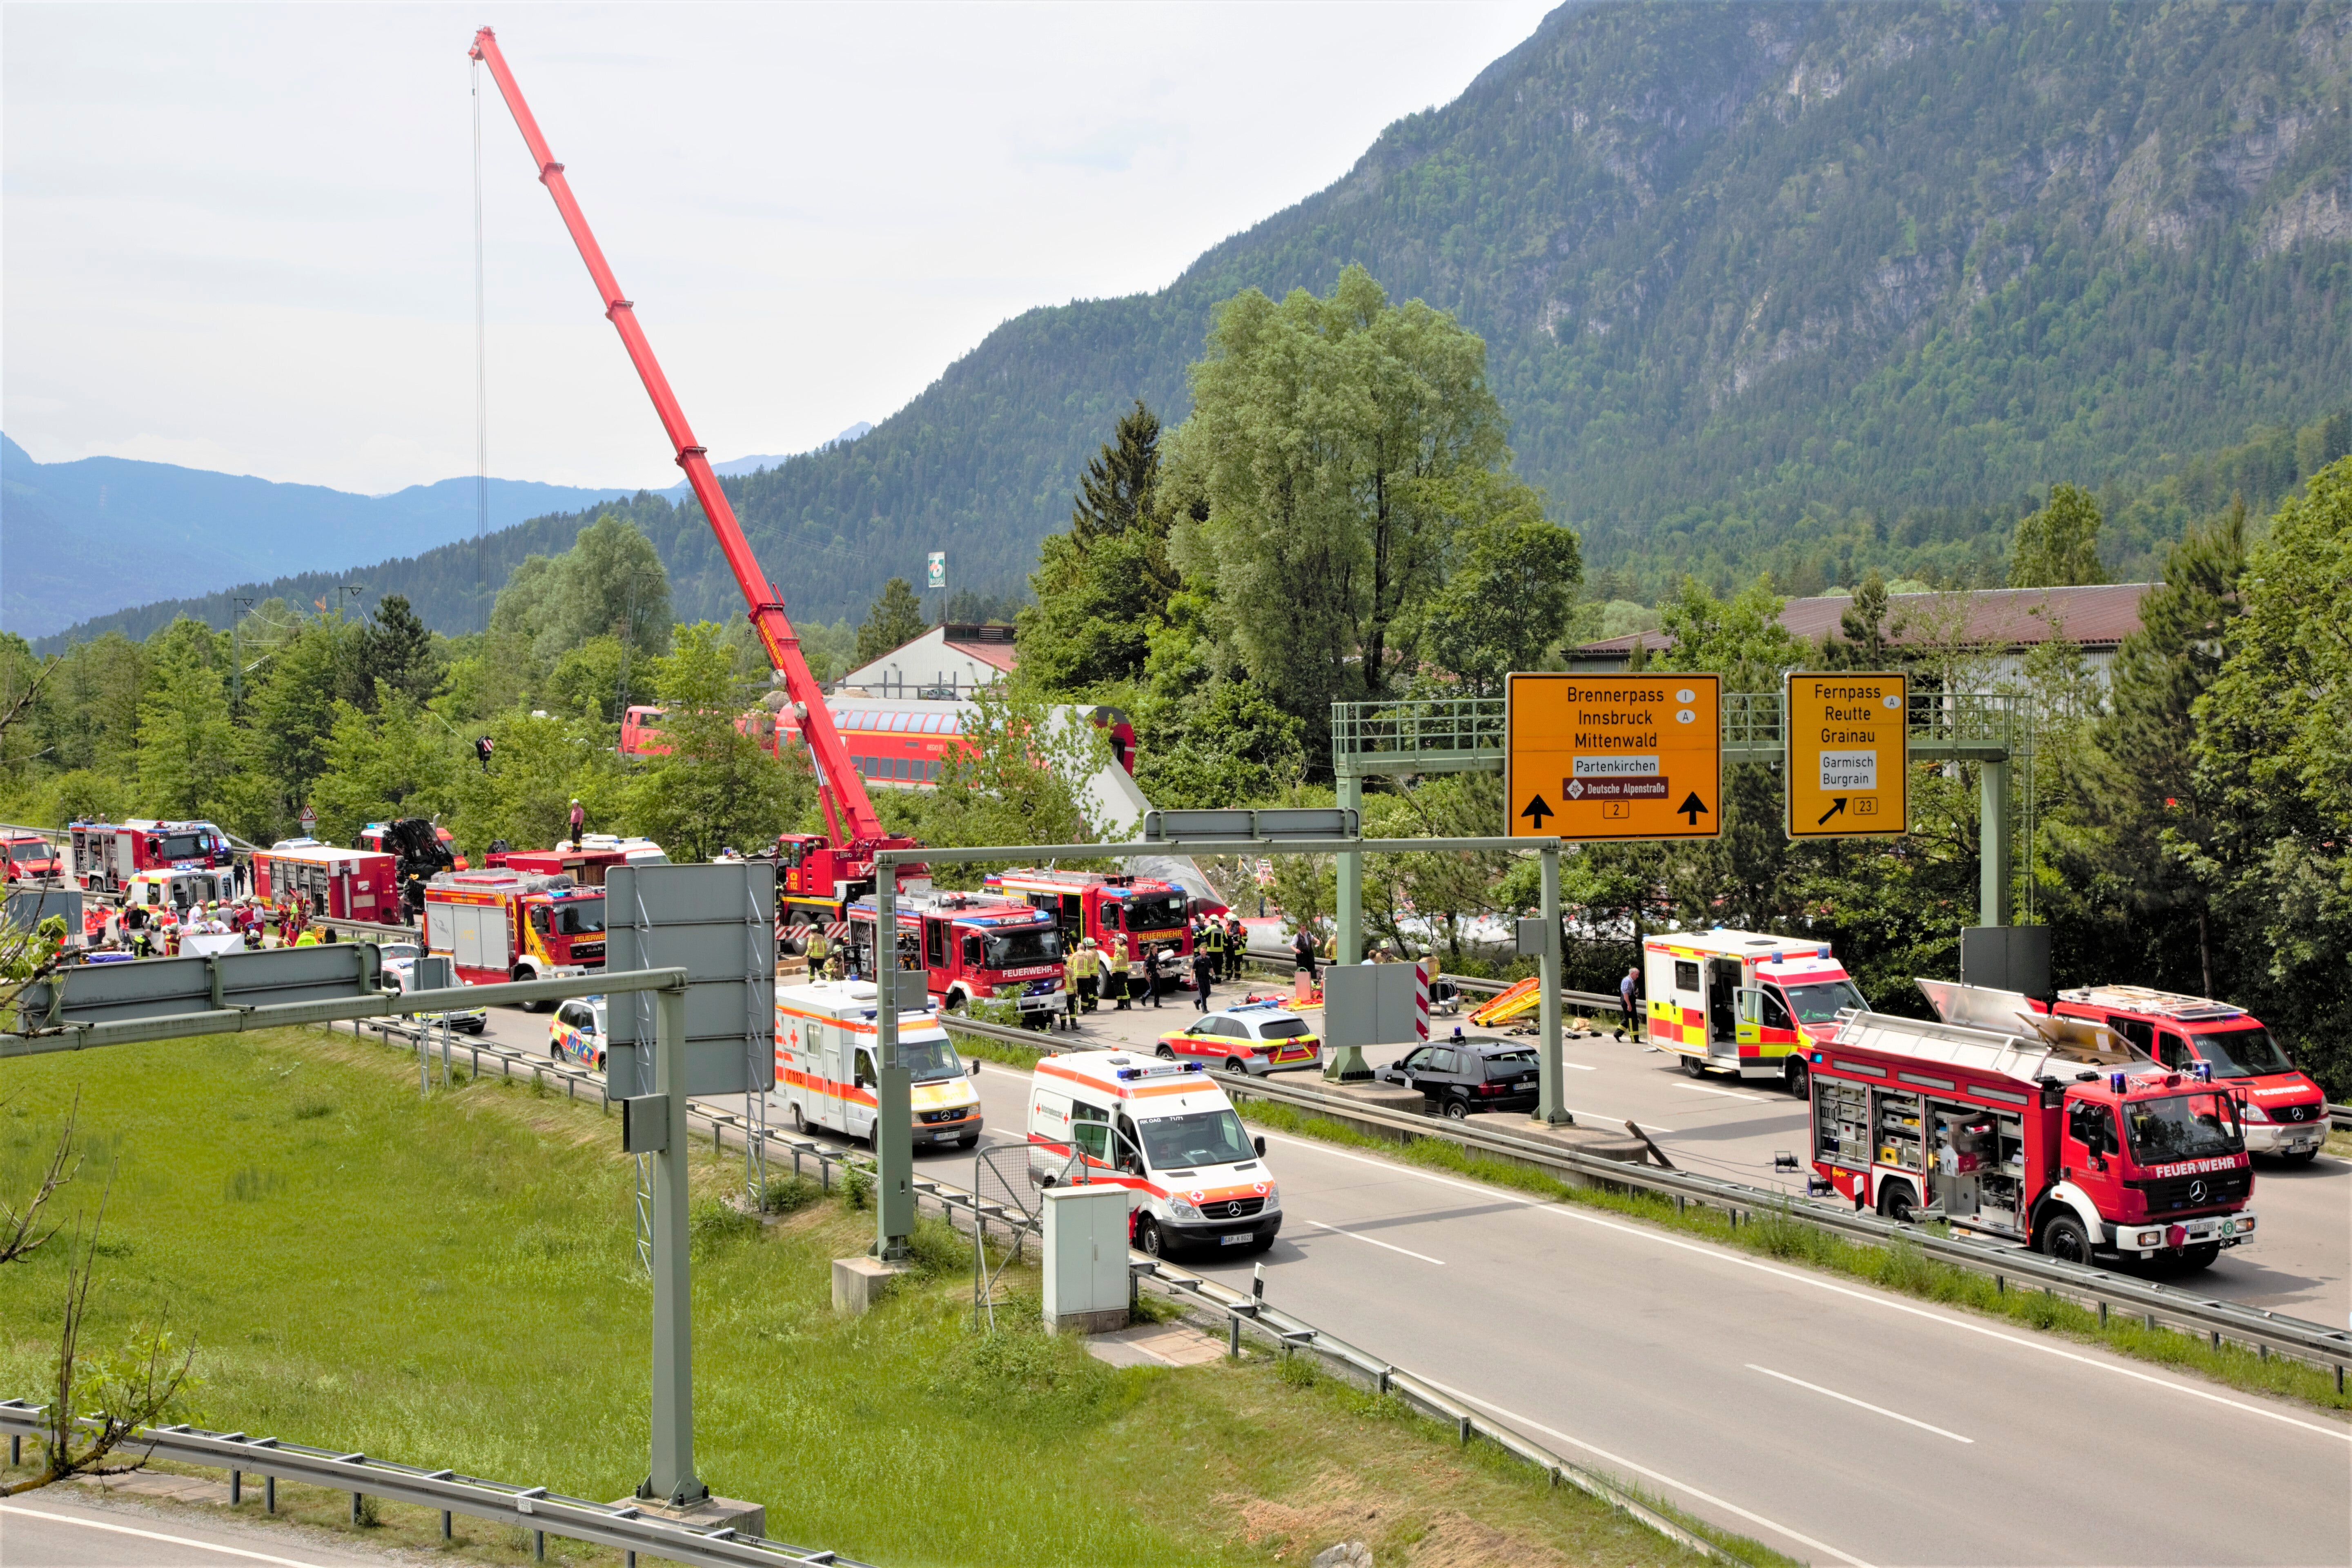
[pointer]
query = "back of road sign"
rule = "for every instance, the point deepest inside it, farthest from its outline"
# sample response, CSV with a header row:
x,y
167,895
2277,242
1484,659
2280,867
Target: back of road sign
x,y
1848,773
1613,756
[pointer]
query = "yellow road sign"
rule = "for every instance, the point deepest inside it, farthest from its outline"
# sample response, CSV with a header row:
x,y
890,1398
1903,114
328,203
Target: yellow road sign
x,y
1848,769
1613,756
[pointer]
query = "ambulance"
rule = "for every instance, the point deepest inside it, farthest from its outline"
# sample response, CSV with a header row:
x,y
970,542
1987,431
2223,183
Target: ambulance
x,y
825,1073
1743,1003
1167,1133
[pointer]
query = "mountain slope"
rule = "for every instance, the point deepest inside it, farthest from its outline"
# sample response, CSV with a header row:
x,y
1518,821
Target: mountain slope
x,y
81,539
1793,281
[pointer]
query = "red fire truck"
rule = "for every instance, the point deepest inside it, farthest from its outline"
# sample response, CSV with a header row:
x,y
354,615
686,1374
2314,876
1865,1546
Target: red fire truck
x,y
504,924
972,946
2286,1113
2042,1131
106,855
326,883
28,856
1134,912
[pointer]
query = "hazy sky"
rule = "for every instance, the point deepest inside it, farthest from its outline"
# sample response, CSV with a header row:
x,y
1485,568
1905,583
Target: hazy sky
x,y
240,238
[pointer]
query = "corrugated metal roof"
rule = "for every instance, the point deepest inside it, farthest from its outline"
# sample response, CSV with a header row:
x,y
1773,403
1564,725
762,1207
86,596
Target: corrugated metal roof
x,y
2097,619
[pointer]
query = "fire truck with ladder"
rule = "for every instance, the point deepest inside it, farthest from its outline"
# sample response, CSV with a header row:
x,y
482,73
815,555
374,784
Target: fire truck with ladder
x,y
2007,1120
974,947
838,865
106,855
1137,913
502,924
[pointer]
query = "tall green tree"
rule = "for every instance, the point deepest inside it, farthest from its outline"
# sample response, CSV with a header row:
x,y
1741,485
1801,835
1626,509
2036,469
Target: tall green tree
x,y
715,788
391,762
2273,761
1022,780
893,620
1511,592
188,751
1103,586
1333,440
2058,546
611,582
395,650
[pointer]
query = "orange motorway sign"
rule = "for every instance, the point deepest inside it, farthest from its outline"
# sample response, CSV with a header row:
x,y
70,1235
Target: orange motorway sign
x,y
1613,756
1847,771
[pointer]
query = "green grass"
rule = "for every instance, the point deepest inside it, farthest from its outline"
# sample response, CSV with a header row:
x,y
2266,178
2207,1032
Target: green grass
x,y
1899,1267
453,1281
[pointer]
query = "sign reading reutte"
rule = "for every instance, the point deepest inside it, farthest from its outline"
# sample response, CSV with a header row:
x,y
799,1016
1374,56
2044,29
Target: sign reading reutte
x,y
1847,768
1613,756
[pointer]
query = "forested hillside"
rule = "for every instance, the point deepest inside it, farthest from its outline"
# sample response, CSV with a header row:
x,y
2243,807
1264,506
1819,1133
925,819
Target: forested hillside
x,y
1804,286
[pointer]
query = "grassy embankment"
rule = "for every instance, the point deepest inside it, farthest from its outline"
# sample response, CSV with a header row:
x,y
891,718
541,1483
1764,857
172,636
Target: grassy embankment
x,y
453,1282
1899,1267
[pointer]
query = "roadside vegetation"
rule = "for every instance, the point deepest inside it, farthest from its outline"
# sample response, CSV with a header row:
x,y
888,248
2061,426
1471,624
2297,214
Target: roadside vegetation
x,y
452,1281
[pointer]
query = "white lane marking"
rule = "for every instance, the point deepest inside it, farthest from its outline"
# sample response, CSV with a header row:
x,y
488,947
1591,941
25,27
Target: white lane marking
x,y
1727,1093
1580,1067
1859,1404
1359,1236
1664,1481
154,1535
1720,1255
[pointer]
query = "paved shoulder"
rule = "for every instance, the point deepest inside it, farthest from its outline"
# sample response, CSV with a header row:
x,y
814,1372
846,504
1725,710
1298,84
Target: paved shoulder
x,y
66,1527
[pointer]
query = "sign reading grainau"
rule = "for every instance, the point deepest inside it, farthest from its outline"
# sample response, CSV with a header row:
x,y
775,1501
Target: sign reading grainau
x,y
1613,756
1848,773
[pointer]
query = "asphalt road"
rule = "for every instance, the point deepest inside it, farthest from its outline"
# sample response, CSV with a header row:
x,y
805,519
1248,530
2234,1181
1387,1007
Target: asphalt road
x,y
1835,1422
63,1527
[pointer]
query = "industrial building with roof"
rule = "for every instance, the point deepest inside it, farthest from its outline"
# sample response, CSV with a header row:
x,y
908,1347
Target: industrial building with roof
x,y
2006,624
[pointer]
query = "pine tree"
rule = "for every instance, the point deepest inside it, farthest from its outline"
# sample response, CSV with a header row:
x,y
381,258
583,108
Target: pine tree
x,y
1119,486
894,620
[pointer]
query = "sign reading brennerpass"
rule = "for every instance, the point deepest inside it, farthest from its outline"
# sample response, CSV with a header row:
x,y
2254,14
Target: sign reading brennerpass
x,y
1848,773
1613,756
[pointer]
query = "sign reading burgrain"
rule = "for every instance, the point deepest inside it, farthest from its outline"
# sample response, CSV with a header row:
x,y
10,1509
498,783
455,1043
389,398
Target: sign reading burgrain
x,y
1847,768
1613,756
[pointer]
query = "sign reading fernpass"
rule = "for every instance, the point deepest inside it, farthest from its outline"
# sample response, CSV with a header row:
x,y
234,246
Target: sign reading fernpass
x,y
1847,771
1613,756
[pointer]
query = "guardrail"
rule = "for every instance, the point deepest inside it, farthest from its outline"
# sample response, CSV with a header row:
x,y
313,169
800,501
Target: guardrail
x,y
622,1525
1591,1001
2339,1117
1292,1334
2265,1330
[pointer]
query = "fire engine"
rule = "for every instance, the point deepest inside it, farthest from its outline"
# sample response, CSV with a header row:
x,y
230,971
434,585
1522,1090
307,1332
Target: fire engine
x,y
106,855
30,857
2042,1131
1133,912
504,924
2286,1113
330,883
972,946
1742,1002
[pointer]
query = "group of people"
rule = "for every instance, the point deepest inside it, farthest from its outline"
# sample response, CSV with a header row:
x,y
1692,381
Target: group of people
x,y
158,931
1093,973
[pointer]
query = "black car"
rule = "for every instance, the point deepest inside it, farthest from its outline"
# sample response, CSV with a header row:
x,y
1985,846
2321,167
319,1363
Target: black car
x,y
1469,1073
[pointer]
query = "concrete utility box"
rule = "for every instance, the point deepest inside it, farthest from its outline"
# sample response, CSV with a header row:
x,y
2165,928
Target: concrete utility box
x,y
1086,1257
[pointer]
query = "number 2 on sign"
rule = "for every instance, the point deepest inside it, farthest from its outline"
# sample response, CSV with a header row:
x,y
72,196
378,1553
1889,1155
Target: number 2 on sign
x,y
1615,808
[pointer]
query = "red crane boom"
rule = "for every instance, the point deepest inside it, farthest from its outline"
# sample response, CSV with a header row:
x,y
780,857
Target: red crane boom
x,y
848,813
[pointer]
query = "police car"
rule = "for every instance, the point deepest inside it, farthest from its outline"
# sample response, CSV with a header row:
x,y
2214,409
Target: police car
x,y
576,1033
1249,1038
400,974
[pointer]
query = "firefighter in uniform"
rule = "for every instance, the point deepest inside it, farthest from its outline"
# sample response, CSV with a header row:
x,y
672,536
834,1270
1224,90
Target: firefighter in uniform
x,y
1115,973
1236,947
1213,943
818,949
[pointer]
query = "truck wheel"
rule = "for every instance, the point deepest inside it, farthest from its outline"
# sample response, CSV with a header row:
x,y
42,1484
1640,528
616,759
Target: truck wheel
x,y
2064,1238
2193,1258
1897,1200
2300,1157
1798,1077
523,972
969,1141
1148,1238
800,1123
955,1001
1695,1066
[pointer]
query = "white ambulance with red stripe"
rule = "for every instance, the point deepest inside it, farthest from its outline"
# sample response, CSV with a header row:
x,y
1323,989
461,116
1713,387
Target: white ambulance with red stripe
x,y
825,1066
1166,1132
1742,1002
